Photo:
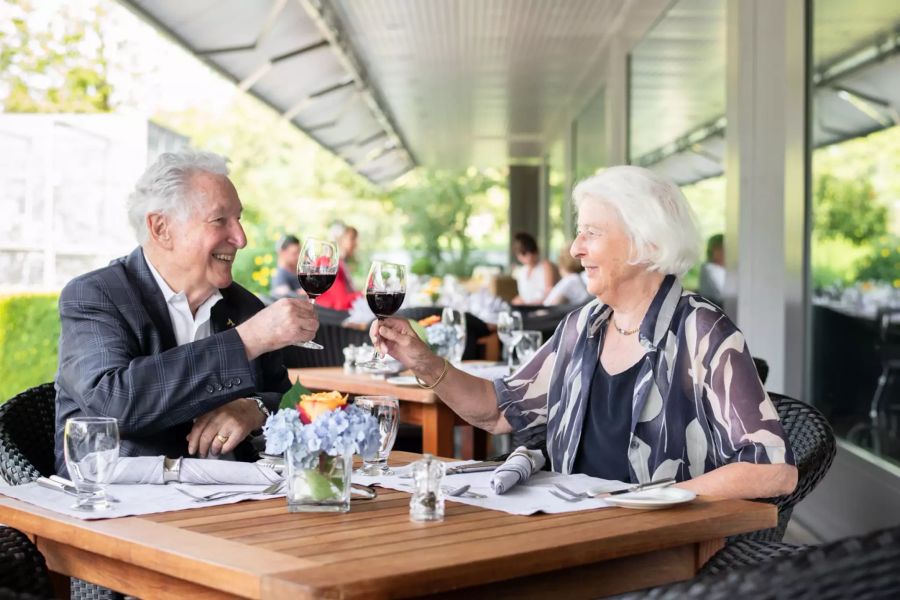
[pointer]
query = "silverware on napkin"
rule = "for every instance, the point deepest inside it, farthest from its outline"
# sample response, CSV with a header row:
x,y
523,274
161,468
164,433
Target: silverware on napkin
x,y
485,465
65,486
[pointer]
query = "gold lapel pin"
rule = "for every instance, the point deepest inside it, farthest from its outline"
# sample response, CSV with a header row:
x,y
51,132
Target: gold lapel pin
x,y
230,323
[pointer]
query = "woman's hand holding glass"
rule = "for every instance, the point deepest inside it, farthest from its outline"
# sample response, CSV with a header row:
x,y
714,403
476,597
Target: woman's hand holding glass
x,y
91,450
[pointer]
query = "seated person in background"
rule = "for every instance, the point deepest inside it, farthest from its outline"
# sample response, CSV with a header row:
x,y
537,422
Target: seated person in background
x,y
649,383
340,295
712,273
163,339
572,288
535,277
285,283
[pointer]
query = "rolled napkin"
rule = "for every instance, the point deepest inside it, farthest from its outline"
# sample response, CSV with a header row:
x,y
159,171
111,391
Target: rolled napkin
x,y
159,470
521,464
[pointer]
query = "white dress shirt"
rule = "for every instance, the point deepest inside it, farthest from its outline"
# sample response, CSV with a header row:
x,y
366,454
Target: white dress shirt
x,y
188,328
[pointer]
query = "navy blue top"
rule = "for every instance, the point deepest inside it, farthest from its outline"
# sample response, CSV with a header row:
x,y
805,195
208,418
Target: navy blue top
x,y
607,425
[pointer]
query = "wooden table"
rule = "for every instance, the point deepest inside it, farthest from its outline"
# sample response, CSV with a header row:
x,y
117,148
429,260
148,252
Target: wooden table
x,y
417,406
259,550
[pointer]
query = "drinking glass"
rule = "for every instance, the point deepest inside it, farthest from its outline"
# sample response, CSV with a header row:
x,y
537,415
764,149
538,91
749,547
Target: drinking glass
x,y
509,330
316,270
529,344
91,450
385,292
457,320
386,409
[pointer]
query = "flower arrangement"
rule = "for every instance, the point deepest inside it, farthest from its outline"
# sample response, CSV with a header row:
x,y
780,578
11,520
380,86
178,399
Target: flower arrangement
x,y
441,337
322,423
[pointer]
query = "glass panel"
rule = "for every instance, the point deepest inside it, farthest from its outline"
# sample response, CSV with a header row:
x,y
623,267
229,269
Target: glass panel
x,y
855,221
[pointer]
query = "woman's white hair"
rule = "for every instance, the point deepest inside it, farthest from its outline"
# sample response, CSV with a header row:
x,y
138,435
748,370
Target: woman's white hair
x,y
653,212
165,186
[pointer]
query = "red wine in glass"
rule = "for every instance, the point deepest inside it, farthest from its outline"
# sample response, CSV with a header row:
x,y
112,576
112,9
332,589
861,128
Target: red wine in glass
x,y
316,272
384,304
385,291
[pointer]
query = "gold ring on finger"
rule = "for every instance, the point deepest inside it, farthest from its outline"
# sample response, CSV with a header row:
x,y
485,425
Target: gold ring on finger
x,y
221,438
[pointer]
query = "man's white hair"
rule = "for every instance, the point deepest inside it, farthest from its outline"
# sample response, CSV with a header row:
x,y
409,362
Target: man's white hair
x,y
654,214
165,187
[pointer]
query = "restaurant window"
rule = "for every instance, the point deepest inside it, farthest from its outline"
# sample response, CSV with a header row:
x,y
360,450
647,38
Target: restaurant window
x,y
676,121
854,250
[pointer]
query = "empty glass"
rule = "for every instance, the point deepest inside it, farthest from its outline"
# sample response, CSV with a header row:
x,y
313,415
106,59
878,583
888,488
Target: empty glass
x,y
91,450
386,409
529,344
457,320
509,330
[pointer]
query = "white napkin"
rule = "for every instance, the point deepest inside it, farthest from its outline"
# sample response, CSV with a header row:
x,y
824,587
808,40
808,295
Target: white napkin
x,y
521,464
150,469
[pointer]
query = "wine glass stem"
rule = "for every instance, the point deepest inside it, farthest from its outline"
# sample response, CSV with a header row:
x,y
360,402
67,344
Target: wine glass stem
x,y
378,355
509,356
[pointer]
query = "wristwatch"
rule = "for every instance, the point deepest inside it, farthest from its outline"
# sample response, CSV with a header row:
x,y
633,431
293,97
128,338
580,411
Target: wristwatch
x,y
262,407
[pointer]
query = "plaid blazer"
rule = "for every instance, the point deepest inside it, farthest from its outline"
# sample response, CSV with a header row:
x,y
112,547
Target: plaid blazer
x,y
118,358
698,402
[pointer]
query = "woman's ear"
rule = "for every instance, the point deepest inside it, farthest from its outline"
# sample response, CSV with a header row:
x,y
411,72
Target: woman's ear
x,y
158,227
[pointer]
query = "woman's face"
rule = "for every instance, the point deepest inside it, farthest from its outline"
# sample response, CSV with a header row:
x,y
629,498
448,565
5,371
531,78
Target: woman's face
x,y
603,248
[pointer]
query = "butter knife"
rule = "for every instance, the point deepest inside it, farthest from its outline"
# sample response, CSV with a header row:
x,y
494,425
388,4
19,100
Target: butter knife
x,y
60,484
488,465
642,486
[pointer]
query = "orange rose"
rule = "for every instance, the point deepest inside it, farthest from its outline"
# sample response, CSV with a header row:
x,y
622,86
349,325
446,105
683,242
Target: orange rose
x,y
428,321
313,405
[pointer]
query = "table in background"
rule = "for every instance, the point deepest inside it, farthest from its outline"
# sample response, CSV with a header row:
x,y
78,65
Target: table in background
x,y
418,406
258,550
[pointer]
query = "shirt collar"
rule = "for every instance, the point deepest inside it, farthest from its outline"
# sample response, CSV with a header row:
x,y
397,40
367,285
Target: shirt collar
x,y
172,296
657,320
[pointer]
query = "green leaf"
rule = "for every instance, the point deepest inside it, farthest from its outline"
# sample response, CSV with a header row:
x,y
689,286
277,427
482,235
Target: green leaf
x,y
420,331
292,396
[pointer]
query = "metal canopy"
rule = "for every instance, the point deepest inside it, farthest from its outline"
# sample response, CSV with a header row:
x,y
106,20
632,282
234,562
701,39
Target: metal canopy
x,y
678,82
288,54
448,83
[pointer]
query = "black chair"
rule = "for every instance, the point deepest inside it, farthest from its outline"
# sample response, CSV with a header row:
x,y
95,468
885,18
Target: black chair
x,y
857,567
23,570
888,348
27,427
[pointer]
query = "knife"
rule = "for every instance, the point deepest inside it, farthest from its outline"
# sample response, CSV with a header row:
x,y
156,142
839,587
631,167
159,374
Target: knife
x,y
643,486
60,484
488,465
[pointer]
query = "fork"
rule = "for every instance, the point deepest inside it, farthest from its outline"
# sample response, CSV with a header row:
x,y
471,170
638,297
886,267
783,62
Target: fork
x,y
271,489
564,497
462,491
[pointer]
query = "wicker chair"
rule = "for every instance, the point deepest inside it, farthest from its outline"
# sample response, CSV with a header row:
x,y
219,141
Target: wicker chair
x,y
858,567
334,338
23,570
813,443
27,427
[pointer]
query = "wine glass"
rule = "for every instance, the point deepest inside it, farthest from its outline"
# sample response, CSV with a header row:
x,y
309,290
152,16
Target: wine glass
x,y
316,270
386,409
529,344
385,292
91,450
457,320
509,330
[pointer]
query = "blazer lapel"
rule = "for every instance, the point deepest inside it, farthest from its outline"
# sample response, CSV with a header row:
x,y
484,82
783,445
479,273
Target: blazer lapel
x,y
152,296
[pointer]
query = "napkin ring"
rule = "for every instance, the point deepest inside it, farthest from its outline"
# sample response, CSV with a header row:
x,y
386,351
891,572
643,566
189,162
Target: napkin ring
x,y
171,469
440,378
525,454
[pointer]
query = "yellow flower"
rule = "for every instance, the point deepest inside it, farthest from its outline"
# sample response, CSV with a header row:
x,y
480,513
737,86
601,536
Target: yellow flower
x,y
885,252
897,283
258,260
267,259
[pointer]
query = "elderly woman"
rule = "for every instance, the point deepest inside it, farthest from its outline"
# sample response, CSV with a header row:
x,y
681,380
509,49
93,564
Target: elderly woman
x,y
646,382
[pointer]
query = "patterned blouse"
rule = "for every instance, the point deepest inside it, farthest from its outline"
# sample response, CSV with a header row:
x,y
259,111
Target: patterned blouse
x,y
698,402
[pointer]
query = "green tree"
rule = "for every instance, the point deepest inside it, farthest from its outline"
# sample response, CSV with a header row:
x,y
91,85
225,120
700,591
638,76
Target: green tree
x,y
59,67
437,207
847,208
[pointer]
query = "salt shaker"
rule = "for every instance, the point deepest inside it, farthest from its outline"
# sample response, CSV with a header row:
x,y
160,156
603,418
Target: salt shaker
x,y
349,358
427,502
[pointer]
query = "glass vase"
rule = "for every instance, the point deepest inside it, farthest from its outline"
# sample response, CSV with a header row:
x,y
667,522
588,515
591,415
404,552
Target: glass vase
x,y
323,487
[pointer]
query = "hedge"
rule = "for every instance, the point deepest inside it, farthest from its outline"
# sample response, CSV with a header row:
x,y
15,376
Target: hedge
x,y
29,336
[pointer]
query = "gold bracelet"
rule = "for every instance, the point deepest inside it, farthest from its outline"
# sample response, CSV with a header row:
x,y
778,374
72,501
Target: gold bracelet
x,y
440,378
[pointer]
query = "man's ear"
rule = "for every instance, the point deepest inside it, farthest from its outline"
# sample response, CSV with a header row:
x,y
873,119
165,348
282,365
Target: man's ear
x,y
158,228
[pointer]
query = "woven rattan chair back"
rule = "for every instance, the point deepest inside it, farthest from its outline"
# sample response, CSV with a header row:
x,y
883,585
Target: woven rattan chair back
x,y
27,426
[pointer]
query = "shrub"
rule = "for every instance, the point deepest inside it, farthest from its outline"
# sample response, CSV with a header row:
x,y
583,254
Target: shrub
x,y
883,264
29,337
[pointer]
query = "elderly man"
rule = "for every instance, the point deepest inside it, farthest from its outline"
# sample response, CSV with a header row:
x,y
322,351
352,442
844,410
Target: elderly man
x,y
163,339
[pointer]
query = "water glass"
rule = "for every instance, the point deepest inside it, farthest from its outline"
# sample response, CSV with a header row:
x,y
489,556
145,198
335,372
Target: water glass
x,y
529,344
91,450
509,330
386,409
456,319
